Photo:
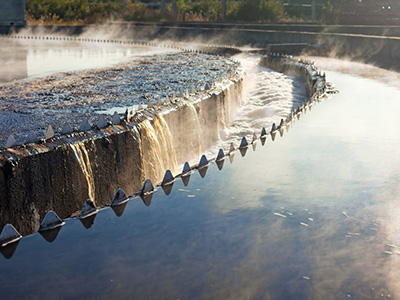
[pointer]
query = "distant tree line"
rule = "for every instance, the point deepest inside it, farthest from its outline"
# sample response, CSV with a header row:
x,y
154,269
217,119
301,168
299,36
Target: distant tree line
x,y
95,11
92,11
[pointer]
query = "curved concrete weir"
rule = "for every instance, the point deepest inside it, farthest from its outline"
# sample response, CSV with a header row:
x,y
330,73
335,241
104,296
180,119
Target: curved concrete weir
x,y
62,172
65,170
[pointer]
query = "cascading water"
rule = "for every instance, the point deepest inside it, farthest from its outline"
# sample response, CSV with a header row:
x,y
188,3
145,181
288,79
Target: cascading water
x,y
167,143
268,97
196,143
158,148
82,156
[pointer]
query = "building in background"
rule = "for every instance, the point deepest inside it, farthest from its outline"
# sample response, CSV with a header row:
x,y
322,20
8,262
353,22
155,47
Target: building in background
x,y
12,12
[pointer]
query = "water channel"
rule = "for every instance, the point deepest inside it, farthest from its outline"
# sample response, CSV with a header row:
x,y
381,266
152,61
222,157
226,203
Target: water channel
x,y
311,215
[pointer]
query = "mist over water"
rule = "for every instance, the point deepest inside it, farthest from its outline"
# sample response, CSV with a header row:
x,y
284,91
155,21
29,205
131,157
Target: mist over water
x,y
268,97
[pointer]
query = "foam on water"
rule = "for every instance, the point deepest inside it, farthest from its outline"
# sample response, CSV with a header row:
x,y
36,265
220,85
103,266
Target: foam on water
x,y
268,97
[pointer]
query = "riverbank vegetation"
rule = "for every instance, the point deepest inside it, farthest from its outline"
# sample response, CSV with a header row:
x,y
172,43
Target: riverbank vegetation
x,y
98,11
95,11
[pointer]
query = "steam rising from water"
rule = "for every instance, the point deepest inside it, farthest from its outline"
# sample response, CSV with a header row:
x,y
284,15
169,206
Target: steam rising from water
x,y
268,97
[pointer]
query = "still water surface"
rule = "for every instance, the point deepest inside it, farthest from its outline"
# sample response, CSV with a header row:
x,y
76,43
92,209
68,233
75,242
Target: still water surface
x,y
37,58
313,215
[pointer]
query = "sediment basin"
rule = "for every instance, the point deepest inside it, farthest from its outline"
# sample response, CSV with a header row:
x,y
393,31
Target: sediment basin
x,y
310,215
40,176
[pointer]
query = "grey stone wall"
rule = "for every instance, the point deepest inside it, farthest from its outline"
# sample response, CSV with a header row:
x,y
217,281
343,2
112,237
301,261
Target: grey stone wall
x,y
12,12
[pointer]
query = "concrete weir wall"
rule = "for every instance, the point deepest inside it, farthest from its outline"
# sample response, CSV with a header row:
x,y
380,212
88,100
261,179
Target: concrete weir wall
x,y
64,171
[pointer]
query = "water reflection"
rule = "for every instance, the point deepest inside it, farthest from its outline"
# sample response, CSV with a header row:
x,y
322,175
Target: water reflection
x,y
203,171
9,250
313,216
50,235
119,209
220,163
37,58
88,221
185,179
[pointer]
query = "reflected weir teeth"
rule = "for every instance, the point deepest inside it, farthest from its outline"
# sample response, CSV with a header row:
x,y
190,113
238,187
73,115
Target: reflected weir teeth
x,y
66,129
11,142
9,235
51,221
273,128
31,138
119,197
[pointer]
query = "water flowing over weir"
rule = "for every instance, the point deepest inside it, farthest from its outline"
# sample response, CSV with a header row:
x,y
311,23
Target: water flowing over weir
x,y
151,141
158,150
82,156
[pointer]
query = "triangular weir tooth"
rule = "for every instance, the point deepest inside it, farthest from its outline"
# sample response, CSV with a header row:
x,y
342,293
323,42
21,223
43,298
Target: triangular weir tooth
x,y
173,97
11,141
50,220
231,148
203,161
281,123
243,143
273,128
186,168
147,187
49,133
159,102
87,208
31,138
133,111
66,129
220,155
102,122
167,100
263,132
150,104
254,138
85,126
119,197
9,234
140,106
168,178
116,120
